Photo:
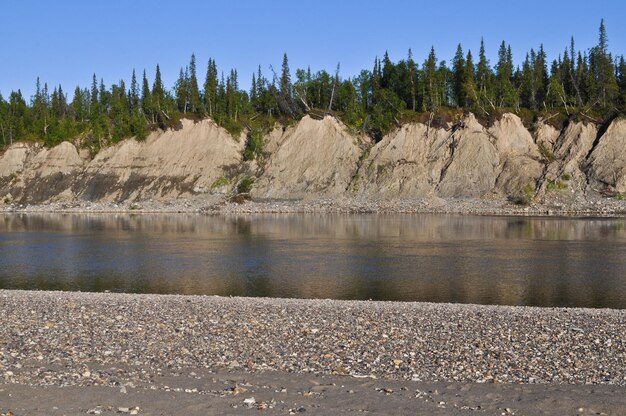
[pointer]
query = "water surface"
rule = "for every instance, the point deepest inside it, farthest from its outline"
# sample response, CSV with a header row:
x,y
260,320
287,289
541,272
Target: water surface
x,y
438,258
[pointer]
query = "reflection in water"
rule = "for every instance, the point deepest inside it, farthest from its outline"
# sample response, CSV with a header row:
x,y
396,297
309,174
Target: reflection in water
x,y
438,258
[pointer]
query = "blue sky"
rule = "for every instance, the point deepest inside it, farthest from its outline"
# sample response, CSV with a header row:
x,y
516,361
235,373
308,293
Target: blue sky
x,y
67,41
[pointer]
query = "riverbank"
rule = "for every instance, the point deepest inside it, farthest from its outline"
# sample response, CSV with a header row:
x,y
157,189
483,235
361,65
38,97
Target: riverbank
x,y
118,351
596,206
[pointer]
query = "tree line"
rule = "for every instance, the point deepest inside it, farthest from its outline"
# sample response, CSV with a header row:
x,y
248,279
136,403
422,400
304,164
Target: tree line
x,y
591,82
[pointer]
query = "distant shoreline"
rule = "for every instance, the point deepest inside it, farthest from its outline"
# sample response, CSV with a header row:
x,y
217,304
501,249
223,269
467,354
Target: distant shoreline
x,y
219,205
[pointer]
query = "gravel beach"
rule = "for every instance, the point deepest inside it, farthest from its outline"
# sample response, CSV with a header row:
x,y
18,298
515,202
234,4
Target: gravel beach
x,y
218,204
104,353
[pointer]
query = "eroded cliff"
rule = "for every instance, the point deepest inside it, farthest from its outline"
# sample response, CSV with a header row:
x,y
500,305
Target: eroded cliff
x,y
322,158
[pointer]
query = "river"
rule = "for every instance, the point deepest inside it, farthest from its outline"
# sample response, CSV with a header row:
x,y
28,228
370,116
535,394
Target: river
x,y
569,262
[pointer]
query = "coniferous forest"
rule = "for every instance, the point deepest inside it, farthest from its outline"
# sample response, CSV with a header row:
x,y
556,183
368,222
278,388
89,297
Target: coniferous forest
x,y
588,84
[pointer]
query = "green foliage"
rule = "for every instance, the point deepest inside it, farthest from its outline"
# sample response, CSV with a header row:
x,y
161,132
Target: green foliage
x,y
620,197
245,185
385,113
254,144
220,182
546,153
554,186
528,193
583,85
231,126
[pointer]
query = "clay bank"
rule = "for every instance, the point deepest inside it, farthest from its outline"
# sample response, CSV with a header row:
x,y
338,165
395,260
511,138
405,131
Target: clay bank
x,y
581,165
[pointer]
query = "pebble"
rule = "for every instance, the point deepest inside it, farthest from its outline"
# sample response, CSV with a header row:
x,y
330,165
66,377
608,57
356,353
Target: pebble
x,y
593,204
425,342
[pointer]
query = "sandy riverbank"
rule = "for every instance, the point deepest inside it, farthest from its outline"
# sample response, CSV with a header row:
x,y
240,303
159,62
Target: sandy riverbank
x,y
68,353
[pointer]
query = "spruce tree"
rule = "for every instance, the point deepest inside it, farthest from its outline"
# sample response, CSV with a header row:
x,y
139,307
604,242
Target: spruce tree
x,y
210,88
146,98
412,73
540,76
458,72
194,93
431,86
158,92
181,90
285,78
93,106
483,77
78,105
603,82
133,96
621,71
504,91
469,94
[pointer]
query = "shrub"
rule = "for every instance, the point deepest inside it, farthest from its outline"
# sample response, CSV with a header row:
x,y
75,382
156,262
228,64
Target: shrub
x,y
254,145
555,186
245,185
546,153
526,197
220,182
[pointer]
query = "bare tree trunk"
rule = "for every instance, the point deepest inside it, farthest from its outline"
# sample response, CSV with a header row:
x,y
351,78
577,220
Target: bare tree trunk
x,y
302,100
332,95
335,82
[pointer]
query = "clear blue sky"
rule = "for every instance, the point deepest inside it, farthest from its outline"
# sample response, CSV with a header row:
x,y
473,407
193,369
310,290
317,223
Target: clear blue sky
x,y
67,41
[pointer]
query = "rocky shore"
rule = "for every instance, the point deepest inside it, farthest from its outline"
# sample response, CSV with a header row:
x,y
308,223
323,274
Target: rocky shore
x,y
115,352
598,206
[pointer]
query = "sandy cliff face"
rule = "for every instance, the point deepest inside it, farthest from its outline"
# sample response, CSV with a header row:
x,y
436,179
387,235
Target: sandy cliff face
x,y
569,154
406,163
32,174
472,169
519,156
463,160
607,162
167,165
170,164
320,158
314,157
